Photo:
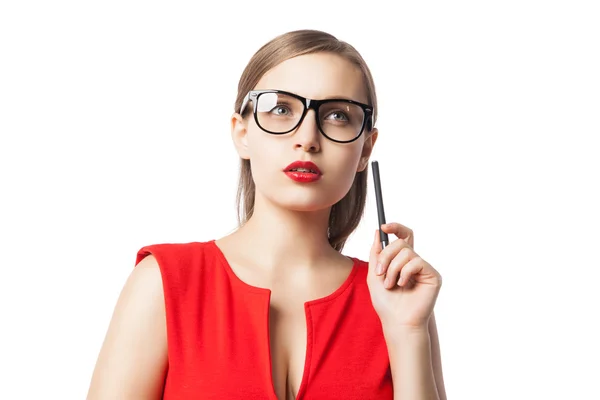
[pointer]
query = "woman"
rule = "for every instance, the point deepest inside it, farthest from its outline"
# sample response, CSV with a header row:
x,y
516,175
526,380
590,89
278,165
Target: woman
x,y
274,310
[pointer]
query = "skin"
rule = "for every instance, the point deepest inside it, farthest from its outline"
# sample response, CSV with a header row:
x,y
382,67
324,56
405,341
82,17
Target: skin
x,y
307,267
403,289
132,363
261,253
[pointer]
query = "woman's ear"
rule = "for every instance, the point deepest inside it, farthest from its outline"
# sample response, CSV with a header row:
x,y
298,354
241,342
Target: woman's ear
x,y
239,134
367,149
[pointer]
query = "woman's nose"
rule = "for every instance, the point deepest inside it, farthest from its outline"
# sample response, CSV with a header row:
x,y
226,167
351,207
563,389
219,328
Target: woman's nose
x,y
307,134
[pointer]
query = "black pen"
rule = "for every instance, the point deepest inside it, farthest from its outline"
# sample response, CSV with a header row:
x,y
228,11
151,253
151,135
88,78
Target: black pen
x,y
378,197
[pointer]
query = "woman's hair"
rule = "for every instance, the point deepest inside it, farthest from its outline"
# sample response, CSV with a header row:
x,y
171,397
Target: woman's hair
x,y
347,213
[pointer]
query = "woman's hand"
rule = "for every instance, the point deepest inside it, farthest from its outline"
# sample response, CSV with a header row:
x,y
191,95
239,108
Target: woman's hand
x,y
403,286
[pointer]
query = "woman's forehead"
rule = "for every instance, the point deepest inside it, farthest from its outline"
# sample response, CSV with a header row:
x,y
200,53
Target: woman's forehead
x,y
317,76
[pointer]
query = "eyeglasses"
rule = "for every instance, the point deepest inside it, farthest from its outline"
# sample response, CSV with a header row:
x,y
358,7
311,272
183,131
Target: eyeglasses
x,y
279,112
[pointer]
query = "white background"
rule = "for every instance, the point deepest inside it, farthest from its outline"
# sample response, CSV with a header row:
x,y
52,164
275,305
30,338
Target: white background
x,y
114,122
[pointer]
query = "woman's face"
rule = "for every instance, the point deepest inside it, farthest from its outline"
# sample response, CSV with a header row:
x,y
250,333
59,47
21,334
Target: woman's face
x,y
315,76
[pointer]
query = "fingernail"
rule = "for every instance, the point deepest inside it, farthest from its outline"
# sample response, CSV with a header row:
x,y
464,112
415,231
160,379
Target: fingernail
x,y
379,269
386,282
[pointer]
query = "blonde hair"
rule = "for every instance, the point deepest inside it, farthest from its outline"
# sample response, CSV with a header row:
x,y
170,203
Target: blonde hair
x,y
346,214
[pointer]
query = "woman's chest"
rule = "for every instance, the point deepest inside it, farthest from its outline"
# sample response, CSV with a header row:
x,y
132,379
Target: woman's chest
x,y
259,349
287,346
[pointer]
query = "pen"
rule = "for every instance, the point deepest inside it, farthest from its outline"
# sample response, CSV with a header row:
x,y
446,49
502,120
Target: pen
x,y
378,197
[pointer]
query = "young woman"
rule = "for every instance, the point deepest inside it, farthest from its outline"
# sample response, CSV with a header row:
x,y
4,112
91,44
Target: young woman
x,y
275,310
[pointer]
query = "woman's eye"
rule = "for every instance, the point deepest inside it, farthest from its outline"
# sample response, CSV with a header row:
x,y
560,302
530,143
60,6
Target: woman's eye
x,y
281,110
338,116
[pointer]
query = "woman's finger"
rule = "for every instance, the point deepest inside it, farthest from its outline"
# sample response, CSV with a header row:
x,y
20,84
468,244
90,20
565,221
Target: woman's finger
x,y
374,255
386,256
397,265
400,231
411,269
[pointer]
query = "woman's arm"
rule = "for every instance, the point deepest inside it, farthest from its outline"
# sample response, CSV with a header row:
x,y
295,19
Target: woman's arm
x,y
415,362
410,362
436,358
133,359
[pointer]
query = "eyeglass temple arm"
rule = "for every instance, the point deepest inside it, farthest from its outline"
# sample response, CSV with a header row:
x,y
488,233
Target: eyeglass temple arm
x,y
244,103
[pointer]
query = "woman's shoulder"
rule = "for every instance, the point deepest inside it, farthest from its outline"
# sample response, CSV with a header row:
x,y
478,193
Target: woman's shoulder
x,y
360,270
358,262
177,250
177,259
182,266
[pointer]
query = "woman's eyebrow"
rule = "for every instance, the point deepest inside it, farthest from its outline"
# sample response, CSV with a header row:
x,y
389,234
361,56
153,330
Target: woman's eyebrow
x,y
342,97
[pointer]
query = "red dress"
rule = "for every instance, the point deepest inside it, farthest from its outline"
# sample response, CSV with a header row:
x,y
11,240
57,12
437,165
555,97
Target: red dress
x,y
218,333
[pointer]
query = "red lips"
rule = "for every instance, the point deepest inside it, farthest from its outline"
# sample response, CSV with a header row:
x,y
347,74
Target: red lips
x,y
309,172
310,166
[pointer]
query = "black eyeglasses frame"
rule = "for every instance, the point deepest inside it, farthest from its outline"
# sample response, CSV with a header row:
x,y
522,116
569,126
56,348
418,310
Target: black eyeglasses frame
x,y
309,104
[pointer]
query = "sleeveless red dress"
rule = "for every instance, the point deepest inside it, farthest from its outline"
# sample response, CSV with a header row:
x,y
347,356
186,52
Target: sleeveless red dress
x,y
218,333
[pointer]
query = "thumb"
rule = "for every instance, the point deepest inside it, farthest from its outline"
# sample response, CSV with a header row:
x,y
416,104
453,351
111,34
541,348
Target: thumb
x,y
375,250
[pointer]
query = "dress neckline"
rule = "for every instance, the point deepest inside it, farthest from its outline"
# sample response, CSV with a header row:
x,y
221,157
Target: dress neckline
x,y
256,289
